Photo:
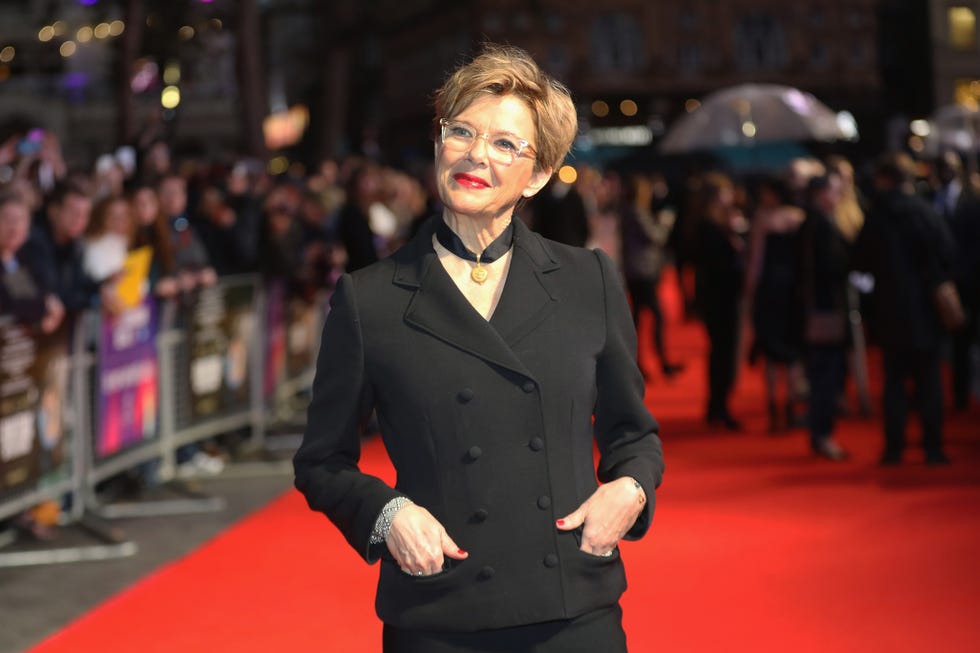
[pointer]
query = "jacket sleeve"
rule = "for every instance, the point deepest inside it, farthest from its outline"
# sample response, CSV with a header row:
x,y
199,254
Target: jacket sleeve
x,y
325,464
625,430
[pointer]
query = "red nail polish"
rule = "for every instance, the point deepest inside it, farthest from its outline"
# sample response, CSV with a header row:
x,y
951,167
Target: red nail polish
x,y
560,522
461,552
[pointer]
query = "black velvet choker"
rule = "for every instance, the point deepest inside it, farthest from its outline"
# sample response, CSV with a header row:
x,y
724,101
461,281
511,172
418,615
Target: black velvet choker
x,y
501,244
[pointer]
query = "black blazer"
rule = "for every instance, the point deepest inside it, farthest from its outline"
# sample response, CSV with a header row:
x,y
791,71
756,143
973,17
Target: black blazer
x,y
488,424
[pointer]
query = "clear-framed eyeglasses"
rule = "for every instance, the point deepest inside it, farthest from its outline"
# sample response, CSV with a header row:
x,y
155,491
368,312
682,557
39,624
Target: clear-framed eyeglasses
x,y
502,147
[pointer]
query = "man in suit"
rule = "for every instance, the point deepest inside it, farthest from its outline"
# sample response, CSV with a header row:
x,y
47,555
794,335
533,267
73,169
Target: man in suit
x,y
907,248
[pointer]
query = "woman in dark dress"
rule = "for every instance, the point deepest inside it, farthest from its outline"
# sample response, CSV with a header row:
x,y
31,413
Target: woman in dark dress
x,y
772,294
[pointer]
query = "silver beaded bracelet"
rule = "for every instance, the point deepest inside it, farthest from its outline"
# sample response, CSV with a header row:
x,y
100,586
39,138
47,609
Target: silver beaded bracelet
x,y
383,524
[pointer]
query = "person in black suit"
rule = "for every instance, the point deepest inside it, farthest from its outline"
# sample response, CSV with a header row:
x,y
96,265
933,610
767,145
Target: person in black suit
x,y
492,375
719,275
957,201
823,264
908,249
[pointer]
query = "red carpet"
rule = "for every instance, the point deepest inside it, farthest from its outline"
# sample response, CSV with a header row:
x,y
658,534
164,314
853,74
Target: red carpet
x,y
756,547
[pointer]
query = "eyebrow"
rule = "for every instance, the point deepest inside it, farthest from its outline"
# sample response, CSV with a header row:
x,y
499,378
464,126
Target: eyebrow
x,y
499,131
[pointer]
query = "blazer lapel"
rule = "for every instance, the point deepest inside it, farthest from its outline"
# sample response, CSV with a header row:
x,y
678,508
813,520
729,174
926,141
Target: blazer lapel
x,y
440,309
529,295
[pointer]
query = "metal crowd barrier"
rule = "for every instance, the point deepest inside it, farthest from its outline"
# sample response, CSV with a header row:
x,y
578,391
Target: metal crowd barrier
x,y
147,383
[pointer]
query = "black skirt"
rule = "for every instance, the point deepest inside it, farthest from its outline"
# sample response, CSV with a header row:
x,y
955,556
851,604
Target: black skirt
x,y
601,630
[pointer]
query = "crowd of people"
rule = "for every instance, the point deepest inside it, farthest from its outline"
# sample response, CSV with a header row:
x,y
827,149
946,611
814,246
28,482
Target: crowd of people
x,y
776,253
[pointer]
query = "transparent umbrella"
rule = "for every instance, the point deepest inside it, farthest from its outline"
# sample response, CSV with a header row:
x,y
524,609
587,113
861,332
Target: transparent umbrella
x,y
751,114
954,127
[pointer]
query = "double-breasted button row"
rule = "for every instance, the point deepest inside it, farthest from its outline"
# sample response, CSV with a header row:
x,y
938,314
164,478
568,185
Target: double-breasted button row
x,y
465,395
536,443
550,560
544,502
473,453
480,515
487,573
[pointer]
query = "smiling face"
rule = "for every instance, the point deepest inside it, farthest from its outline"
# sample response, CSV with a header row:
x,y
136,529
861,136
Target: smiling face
x,y
470,183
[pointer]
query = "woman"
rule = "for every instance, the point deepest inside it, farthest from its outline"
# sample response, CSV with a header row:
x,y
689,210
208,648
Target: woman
x,y
646,228
823,268
486,371
771,291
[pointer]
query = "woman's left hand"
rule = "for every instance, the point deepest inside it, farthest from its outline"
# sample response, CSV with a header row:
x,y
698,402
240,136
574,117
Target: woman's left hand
x,y
607,515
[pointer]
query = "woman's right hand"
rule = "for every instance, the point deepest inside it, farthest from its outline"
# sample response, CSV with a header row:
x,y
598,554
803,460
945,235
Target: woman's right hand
x,y
419,543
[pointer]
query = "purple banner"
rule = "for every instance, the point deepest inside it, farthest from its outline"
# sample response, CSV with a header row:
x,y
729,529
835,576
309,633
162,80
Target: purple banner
x,y
127,366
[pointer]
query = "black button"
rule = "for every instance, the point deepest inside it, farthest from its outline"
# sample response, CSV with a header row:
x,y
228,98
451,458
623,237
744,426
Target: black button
x,y
551,560
528,386
465,395
536,444
474,452
488,572
480,514
544,502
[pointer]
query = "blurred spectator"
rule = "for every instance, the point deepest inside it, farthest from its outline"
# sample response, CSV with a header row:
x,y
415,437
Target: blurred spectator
x,y
771,294
191,265
326,185
229,249
645,231
908,249
957,201
56,244
559,214
353,222
850,211
281,237
108,179
152,230
21,294
824,265
604,218
718,279
107,241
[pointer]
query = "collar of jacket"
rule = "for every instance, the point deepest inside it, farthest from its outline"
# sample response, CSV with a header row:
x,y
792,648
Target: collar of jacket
x,y
412,260
439,308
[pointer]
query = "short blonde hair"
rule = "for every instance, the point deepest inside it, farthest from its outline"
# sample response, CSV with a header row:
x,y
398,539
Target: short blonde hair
x,y
506,70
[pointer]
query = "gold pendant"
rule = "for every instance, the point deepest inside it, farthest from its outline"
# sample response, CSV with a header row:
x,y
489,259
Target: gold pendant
x,y
479,273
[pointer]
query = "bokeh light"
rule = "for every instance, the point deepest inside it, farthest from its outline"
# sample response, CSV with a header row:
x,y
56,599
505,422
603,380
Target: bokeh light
x,y
691,105
749,129
920,128
67,48
101,31
567,174
600,109
278,165
7,54
116,28
59,27
628,108
84,34
171,74
170,97
186,33
45,34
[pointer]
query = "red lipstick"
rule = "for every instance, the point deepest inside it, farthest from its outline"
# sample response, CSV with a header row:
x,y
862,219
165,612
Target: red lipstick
x,y
470,181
